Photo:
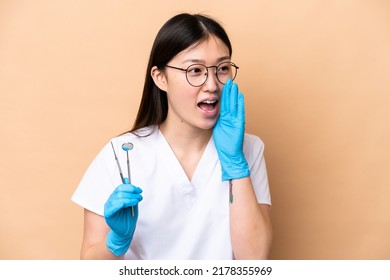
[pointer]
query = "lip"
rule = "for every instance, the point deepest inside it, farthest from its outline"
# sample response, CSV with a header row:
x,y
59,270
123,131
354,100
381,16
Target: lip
x,y
210,113
209,98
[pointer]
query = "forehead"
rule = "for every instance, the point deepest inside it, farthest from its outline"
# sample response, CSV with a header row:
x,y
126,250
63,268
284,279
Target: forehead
x,y
209,50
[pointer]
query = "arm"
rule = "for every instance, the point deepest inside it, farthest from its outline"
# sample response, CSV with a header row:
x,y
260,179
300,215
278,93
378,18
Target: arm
x,y
109,237
250,222
94,239
250,225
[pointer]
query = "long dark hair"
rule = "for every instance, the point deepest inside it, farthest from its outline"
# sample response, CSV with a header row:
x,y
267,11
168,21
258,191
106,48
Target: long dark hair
x,y
176,35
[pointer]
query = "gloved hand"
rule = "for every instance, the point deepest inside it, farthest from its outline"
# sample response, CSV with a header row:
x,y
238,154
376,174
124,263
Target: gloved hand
x,y
117,212
228,133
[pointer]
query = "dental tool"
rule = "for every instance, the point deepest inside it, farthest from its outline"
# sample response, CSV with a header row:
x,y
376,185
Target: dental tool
x,y
119,166
126,147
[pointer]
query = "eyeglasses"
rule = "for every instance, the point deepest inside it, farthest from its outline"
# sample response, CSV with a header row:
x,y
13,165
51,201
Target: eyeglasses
x,y
197,74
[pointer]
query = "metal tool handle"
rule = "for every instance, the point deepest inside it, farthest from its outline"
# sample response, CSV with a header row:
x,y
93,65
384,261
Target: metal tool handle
x,y
121,174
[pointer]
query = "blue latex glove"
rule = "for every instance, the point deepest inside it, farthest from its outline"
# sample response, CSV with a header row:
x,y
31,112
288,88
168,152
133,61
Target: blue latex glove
x,y
228,133
117,212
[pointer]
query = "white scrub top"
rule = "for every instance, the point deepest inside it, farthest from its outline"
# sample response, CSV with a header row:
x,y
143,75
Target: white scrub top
x,y
178,218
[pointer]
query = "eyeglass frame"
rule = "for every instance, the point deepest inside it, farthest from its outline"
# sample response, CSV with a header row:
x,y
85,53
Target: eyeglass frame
x,y
207,71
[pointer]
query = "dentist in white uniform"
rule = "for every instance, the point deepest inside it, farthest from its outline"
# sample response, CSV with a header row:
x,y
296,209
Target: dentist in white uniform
x,y
199,184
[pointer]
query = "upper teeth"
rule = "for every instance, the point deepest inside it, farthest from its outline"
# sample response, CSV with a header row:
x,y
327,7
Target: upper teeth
x,y
209,101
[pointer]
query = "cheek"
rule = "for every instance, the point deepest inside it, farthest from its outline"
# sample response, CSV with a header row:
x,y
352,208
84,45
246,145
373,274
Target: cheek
x,y
181,95
176,79
180,91
182,99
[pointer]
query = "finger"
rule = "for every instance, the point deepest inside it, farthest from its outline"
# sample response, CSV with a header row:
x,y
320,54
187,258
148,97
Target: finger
x,y
127,188
123,195
136,210
116,205
241,108
233,100
137,190
127,182
129,202
225,100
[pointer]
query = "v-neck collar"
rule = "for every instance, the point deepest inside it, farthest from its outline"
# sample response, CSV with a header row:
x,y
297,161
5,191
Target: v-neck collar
x,y
209,157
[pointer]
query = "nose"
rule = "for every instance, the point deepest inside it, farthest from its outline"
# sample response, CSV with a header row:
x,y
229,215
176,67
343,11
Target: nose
x,y
212,83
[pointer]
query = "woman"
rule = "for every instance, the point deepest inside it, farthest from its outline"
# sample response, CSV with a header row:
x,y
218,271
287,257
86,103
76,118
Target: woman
x,y
198,187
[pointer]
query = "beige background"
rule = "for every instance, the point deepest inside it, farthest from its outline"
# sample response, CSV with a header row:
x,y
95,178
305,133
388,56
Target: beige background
x,y
315,75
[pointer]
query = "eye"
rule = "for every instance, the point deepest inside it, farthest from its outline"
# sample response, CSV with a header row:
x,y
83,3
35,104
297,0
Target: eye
x,y
196,70
224,68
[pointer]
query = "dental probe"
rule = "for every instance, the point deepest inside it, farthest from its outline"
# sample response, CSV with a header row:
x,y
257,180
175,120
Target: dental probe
x,y
119,166
128,147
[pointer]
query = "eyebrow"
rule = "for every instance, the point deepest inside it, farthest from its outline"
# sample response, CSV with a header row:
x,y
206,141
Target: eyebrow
x,y
202,61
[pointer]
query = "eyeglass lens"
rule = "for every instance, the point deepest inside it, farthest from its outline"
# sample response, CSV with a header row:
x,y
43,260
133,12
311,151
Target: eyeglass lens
x,y
197,74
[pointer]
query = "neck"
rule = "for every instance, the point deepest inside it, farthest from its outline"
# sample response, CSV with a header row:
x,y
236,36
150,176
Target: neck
x,y
183,137
187,143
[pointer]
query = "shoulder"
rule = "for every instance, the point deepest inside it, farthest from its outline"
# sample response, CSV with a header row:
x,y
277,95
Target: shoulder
x,y
253,147
254,141
144,139
141,134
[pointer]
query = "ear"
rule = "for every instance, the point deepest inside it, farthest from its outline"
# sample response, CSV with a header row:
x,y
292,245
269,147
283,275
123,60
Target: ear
x,y
159,78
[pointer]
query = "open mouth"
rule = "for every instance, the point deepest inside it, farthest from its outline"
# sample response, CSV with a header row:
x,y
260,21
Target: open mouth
x,y
208,105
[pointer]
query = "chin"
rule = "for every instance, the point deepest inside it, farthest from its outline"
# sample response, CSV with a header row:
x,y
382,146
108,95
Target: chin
x,y
208,125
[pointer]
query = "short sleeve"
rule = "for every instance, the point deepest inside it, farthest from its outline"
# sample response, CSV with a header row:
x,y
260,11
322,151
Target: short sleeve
x,y
98,182
254,153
